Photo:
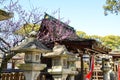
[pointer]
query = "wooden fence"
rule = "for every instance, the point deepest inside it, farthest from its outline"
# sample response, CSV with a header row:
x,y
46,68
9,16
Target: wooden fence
x,y
16,74
97,73
12,75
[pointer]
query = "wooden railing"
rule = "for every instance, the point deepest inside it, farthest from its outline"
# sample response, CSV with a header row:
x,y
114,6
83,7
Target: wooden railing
x,y
97,73
16,74
12,75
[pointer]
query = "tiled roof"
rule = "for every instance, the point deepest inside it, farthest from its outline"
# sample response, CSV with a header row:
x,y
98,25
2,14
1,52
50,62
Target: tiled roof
x,y
53,30
5,15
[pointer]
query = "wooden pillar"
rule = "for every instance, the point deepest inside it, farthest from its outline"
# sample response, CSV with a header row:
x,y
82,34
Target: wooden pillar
x,y
82,68
13,64
43,77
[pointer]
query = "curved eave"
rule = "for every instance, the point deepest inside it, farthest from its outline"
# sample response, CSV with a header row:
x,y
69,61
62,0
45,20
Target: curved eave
x,y
30,50
51,55
89,44
115,54
5,15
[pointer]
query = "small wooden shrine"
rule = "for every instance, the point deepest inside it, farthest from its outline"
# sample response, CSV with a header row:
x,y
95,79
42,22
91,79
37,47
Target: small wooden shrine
x,y
116,59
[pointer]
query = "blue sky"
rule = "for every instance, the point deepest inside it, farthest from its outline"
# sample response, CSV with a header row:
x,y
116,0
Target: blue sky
x,y
84,15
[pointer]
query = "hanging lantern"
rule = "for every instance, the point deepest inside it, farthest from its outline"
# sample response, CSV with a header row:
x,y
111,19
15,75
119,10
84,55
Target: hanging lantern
x,y
86,57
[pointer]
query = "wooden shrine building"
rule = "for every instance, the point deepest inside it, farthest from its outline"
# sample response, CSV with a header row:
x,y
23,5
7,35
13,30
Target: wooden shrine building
x,y
116,59
53,30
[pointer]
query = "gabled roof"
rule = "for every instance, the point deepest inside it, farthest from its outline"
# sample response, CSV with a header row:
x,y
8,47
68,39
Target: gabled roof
x,y
53,30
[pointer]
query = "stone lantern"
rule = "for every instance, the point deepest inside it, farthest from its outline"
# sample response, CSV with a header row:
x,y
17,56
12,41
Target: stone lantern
x,y
86,57
33,50
63,63
108,73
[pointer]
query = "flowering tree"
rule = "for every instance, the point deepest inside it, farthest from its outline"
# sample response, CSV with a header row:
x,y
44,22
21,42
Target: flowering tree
x,y
53,30
8,27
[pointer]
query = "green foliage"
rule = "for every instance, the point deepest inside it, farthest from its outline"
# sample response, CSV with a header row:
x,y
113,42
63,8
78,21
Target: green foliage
x,y
27,28
111,41
81,34
96,37
112,6
84,35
